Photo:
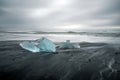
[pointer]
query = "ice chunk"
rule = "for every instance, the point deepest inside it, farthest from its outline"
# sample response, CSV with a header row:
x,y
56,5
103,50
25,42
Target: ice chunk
x,y
39,45
68,45
76,45
46,45
30,46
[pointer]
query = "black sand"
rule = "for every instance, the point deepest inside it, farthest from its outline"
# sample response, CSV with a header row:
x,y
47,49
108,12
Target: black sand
x,y
93,61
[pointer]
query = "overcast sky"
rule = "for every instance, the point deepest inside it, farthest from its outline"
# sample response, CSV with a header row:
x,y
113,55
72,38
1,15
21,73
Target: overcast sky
x,y
58,15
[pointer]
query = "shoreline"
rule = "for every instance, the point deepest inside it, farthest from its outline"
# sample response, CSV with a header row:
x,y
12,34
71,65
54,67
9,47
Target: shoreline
x,y
92,61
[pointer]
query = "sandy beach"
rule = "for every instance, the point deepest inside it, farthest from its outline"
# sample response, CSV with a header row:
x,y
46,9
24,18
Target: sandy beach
x,y
93,61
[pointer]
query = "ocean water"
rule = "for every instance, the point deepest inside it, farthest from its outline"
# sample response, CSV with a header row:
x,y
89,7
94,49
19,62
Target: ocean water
x,y
106,37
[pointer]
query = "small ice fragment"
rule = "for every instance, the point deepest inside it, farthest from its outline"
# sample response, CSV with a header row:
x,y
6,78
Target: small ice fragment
x,y
76,45
68,45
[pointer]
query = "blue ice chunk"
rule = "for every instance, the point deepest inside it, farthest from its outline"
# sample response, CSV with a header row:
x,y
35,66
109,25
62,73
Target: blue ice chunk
x,y
76,45
68,45
46,45
65,45
30,46
39,45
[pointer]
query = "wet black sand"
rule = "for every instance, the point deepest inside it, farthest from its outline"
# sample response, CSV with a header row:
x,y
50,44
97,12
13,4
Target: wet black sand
x,y
93,61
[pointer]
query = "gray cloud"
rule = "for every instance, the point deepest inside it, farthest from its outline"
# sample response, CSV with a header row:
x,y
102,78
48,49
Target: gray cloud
x,y
52,14
24,3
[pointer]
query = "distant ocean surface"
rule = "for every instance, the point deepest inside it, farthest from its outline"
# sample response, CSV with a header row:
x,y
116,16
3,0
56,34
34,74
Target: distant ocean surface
x,y
106,37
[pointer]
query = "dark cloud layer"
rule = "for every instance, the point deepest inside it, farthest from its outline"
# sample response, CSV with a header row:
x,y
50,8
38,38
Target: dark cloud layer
x,y
55,15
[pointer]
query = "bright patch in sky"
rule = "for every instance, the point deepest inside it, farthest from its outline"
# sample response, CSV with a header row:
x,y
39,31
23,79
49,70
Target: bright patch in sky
x,y
60,3
38,13
72,27
43,12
